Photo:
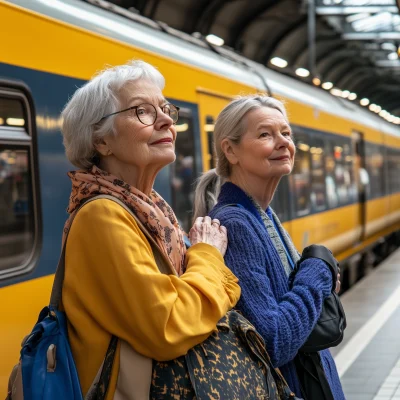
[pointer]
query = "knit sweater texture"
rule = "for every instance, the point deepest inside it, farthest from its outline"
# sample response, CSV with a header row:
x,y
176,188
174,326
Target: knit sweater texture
x,y
284,318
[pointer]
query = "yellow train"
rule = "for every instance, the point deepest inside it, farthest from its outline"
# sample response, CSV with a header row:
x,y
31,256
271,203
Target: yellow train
x,y
344,191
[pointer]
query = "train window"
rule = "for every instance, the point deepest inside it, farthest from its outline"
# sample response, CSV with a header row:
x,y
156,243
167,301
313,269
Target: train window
x,y
280,201
340,186
301,175
16,216
11,112
18,203
318,193
393,169
374,166
183,170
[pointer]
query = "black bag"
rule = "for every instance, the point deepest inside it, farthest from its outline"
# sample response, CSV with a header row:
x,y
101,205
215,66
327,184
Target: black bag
x,y
328,332
313,382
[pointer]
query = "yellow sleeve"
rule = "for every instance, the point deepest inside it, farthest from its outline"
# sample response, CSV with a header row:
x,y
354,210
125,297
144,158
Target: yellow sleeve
x,y
112,278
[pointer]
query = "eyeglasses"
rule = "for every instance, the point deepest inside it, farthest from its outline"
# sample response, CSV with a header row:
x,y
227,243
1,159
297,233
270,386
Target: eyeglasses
x,y
147,114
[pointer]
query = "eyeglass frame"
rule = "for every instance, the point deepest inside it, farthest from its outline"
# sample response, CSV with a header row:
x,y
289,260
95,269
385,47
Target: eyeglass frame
x,y
136,107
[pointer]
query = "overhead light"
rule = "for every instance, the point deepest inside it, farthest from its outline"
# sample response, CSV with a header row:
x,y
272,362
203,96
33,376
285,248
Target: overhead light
x,y
1,121
214,39
372,107
182,127
316,81
15,121
383,113
336,92
302,72
327,85
390,118
388,46
352,96
378,109
364,102
345,94
279,62
209,127
392,56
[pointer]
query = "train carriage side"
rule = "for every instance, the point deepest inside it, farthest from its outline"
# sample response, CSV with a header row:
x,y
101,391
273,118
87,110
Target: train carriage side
x,y
344,190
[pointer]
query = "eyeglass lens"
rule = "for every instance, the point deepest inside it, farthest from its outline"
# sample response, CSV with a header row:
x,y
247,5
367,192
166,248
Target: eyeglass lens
x,y
147,113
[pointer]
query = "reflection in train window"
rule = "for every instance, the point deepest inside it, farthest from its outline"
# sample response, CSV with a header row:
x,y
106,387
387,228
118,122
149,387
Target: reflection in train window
x,y
301,175
340,186
393,168
374,166
16,216
11,112
183,172
318,195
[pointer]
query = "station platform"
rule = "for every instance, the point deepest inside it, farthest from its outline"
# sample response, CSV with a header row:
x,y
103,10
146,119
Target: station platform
x,y
368,359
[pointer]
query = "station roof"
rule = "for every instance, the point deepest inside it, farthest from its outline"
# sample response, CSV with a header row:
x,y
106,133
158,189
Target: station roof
x,y
356,41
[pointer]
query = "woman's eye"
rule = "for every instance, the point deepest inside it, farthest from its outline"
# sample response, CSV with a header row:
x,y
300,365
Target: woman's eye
x,y
264,134
286,134
141,111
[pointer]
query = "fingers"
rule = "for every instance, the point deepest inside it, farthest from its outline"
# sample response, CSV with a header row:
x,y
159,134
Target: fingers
x,y
338,283
216,222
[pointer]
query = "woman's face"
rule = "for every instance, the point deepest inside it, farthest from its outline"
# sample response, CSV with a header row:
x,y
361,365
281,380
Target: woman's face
x,y
135,144
266,149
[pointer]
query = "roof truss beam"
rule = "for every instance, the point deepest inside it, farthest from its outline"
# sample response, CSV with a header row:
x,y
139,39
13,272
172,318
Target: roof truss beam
x,y
331,11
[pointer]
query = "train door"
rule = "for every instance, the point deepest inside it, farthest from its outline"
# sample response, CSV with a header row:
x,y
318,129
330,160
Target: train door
x,y
362,182
210,105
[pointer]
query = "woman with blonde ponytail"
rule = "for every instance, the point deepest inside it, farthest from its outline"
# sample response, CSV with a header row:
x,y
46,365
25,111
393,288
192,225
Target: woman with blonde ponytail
x,y
254,148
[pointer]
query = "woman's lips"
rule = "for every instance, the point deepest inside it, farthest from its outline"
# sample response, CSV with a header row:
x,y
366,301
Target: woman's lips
x,y
280,158
166,140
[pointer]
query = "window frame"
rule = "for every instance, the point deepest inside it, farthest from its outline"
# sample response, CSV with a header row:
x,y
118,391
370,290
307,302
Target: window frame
x,y
25,137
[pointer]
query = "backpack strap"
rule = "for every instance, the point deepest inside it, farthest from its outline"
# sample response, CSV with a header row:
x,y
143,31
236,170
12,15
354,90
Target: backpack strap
x,y
164,265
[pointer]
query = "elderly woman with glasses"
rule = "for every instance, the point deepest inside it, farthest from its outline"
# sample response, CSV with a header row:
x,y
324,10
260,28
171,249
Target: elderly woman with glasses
x,y
120,131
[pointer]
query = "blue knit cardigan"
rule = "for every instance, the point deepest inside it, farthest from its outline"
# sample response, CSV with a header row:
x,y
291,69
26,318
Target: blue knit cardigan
x,y
285,318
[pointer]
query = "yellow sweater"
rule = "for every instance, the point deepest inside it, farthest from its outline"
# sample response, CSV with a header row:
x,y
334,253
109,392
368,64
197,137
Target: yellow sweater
x,y
112,286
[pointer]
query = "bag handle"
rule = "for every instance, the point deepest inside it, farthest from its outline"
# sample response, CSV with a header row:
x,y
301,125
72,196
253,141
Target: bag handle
x,y
164,265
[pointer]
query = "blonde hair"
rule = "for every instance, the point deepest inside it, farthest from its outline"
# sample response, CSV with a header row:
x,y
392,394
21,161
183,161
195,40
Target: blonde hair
x,y
229,125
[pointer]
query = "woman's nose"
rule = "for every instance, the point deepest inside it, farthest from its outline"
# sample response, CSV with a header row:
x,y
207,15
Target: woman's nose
x,y
283,141
163,121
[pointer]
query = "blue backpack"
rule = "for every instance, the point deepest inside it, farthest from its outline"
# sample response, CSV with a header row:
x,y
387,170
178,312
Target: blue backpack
x,y
46,369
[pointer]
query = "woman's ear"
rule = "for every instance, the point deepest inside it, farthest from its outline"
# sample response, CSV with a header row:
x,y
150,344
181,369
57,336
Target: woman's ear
x,y
102,147
229,150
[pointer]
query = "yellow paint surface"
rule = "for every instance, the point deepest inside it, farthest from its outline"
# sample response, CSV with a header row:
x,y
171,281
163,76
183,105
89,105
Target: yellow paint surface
x,y
20,307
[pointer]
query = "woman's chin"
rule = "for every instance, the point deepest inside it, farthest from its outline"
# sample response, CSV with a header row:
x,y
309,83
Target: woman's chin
x,y
167,158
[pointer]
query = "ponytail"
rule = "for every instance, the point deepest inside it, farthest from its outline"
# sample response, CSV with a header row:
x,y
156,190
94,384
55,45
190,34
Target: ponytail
x,y
206,194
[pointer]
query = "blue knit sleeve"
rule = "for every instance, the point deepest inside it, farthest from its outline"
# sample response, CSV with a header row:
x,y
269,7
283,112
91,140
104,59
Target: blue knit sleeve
x,y
284,324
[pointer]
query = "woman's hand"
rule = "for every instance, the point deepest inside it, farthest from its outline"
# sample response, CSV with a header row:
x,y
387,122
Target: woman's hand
x,y
338,283
211,232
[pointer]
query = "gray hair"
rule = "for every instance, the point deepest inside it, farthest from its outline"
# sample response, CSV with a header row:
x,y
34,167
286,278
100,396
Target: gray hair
x,y
82,126
229,125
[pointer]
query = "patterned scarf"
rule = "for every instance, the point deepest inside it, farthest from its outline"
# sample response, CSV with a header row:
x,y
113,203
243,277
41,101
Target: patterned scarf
x,y
153,211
